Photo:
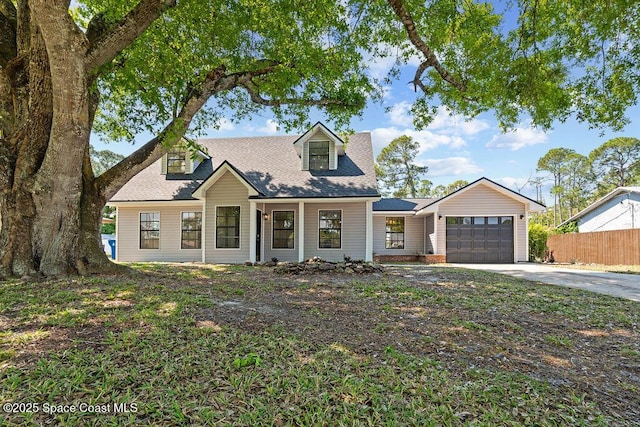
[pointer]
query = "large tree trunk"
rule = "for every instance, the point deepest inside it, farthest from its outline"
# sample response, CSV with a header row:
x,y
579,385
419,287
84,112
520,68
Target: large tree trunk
x,y
50,224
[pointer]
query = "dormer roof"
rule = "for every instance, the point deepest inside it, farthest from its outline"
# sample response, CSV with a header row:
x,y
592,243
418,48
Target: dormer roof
x,y
319,132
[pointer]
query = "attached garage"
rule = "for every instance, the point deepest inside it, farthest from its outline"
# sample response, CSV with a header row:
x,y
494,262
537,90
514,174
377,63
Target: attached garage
x,y
483,222
479,239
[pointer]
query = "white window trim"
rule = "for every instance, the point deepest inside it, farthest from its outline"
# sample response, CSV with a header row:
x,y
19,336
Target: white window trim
x,y
159,231
215,229
328,154
342,227
295,222
201,230
404,232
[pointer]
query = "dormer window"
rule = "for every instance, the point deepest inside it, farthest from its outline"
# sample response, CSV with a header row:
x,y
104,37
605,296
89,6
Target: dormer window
x,y
319,155
177,161
319,149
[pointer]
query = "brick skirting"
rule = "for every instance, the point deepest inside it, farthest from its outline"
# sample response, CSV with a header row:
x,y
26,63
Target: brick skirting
x,y
427,259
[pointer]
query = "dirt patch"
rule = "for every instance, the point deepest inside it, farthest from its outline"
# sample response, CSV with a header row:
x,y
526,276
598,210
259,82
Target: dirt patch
x,y
601,363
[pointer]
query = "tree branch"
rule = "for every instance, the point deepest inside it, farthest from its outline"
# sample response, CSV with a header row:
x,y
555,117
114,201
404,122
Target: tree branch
x,y
113,179
253,91
216,81
431,59
106,47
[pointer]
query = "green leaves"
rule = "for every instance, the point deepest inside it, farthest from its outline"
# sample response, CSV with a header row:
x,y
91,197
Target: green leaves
x,y
299,55
553,61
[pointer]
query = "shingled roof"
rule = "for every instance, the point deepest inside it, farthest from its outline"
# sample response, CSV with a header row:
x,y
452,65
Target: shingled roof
x,y
269,164
391,205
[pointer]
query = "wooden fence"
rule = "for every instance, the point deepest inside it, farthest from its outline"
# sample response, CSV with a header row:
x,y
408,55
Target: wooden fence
x,y
600,247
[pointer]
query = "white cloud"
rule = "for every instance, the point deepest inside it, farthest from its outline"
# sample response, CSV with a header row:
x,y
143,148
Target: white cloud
x,y
271,127
452,166
513,183
400,114
456,124
381,137
518,138
443,123
225,125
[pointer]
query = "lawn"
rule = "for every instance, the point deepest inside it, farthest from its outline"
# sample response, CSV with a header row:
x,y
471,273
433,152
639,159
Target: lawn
x,y
228,345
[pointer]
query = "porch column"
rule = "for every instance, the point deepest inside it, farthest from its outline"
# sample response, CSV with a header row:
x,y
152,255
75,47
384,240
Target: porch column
x,y
435,232
253,229
300,231
368,254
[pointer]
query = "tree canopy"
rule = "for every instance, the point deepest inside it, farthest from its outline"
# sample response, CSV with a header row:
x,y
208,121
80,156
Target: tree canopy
x,y
537,61
616,163
396,168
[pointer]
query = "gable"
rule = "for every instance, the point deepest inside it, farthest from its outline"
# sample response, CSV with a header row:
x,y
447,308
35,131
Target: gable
x,y
316,135
228,172
493,193
481,200
620,193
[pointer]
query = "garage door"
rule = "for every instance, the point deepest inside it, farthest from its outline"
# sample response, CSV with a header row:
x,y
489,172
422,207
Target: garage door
x,y
480,239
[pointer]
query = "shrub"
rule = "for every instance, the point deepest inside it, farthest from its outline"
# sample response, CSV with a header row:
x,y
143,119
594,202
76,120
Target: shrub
x,y
537,241
108,228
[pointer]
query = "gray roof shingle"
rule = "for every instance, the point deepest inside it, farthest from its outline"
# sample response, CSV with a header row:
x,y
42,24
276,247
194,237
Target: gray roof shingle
x,y
270,164
390,204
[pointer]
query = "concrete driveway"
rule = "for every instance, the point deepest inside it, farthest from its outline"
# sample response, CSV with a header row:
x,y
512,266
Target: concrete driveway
x,y
614,284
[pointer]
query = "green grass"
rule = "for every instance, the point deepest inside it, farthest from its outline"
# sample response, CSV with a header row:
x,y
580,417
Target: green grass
x,y
159,342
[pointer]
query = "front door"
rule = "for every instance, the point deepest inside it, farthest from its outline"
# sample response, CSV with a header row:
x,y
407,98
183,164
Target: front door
x,y
258,235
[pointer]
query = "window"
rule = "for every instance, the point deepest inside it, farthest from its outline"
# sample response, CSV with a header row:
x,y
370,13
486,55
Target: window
x,y
177,161
506,220
395,233
318,155
149,230
283,226
191,230
330,229
228,227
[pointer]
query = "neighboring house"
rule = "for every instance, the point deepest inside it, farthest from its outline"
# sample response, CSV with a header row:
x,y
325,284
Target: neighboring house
x,y
618,210
296,197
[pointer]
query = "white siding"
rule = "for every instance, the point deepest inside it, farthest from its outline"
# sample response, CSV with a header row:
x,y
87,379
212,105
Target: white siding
x,y
353,231
163,165
333,156
485,201
227,191
413,236
305,156
430,234
267,233
128,238
620,213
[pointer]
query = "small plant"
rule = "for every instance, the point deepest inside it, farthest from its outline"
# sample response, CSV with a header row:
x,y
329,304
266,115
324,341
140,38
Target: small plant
x,y
558,341
347,258
274,259
250,359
